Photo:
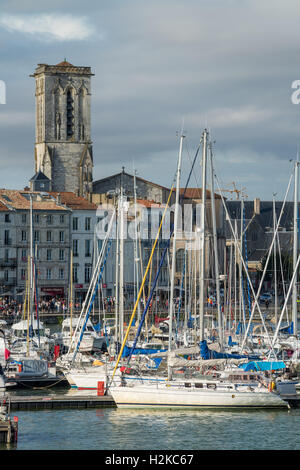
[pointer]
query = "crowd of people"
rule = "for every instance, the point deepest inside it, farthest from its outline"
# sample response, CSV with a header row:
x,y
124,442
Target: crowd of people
x,y
12,307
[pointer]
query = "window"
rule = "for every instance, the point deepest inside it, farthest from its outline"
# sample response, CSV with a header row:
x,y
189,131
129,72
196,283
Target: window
x,y
49,236
75,273
61,237
75,247
7,240
87,273
24,255
24,236
6,255
24,218
87,223
198,385
61,255
48,273
49,219
179,260
49,254
37,254
36,236
23,274
87,247
62,219
7,217
36,218
61,273
75,223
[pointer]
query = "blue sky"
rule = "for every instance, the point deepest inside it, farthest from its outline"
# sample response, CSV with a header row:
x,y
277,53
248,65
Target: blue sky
x,y
228,65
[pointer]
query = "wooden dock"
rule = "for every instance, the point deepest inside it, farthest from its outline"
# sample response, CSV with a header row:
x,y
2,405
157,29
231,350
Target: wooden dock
x,y
8,425
8,431
56,402
293,400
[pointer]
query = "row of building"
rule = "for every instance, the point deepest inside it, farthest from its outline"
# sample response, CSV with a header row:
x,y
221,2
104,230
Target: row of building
x,y
58,225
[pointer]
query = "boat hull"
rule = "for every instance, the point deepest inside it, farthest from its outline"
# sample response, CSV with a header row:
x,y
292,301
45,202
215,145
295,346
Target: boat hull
x,y
86,381
141,397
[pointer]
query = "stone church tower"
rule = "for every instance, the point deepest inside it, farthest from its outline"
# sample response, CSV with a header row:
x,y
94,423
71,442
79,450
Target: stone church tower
x,y
63,147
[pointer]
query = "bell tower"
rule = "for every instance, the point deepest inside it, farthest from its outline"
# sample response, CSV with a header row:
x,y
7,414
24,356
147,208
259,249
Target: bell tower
x,y
63,146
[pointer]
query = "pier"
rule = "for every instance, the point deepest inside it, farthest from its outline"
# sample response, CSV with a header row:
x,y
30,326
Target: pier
x,y
56,402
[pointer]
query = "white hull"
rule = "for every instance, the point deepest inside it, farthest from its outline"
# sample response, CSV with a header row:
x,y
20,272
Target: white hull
x,y
178,397
86,380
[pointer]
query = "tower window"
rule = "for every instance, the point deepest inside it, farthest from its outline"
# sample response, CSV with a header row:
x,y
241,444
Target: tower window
x,y
70,115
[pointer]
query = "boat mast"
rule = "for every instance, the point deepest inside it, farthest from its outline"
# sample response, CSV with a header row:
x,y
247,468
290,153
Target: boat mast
x,y
117,276
202,234
31,264
121,270
71,291
295,248
275,261
171,303
136,258
215,243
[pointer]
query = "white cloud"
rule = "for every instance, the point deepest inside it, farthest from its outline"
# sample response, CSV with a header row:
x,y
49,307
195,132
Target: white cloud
x,y
16,118
232,117
54,27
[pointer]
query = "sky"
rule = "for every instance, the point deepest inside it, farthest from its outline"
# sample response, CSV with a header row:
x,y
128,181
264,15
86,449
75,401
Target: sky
x,y
162,66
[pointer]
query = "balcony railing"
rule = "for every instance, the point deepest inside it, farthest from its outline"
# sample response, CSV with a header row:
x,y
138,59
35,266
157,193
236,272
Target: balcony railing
x,y
8,262
11,281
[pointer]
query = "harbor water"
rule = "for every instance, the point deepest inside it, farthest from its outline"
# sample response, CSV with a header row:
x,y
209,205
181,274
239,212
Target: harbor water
x,y
117,429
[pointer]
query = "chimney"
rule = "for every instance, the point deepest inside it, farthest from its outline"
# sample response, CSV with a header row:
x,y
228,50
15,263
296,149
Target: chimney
x,y
257,206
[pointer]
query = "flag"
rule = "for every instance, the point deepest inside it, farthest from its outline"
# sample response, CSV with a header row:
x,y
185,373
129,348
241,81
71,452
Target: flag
x,y
6,354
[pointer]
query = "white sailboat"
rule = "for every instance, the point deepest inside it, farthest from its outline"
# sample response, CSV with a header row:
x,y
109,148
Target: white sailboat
x,y
245,391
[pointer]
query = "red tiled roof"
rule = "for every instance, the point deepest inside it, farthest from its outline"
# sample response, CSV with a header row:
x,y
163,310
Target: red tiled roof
x,y
17,200
64,63
74,202
147,203
3,207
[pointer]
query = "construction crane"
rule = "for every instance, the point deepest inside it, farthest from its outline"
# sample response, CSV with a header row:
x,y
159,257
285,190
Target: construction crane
x,y
236,191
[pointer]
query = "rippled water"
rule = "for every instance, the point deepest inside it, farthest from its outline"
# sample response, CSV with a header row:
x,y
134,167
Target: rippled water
x,y
96,429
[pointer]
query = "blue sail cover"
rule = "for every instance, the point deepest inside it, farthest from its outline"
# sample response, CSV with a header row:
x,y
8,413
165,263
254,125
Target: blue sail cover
x,y
128,351
97,327
207,353
230,342
289,329
157,361
263,365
